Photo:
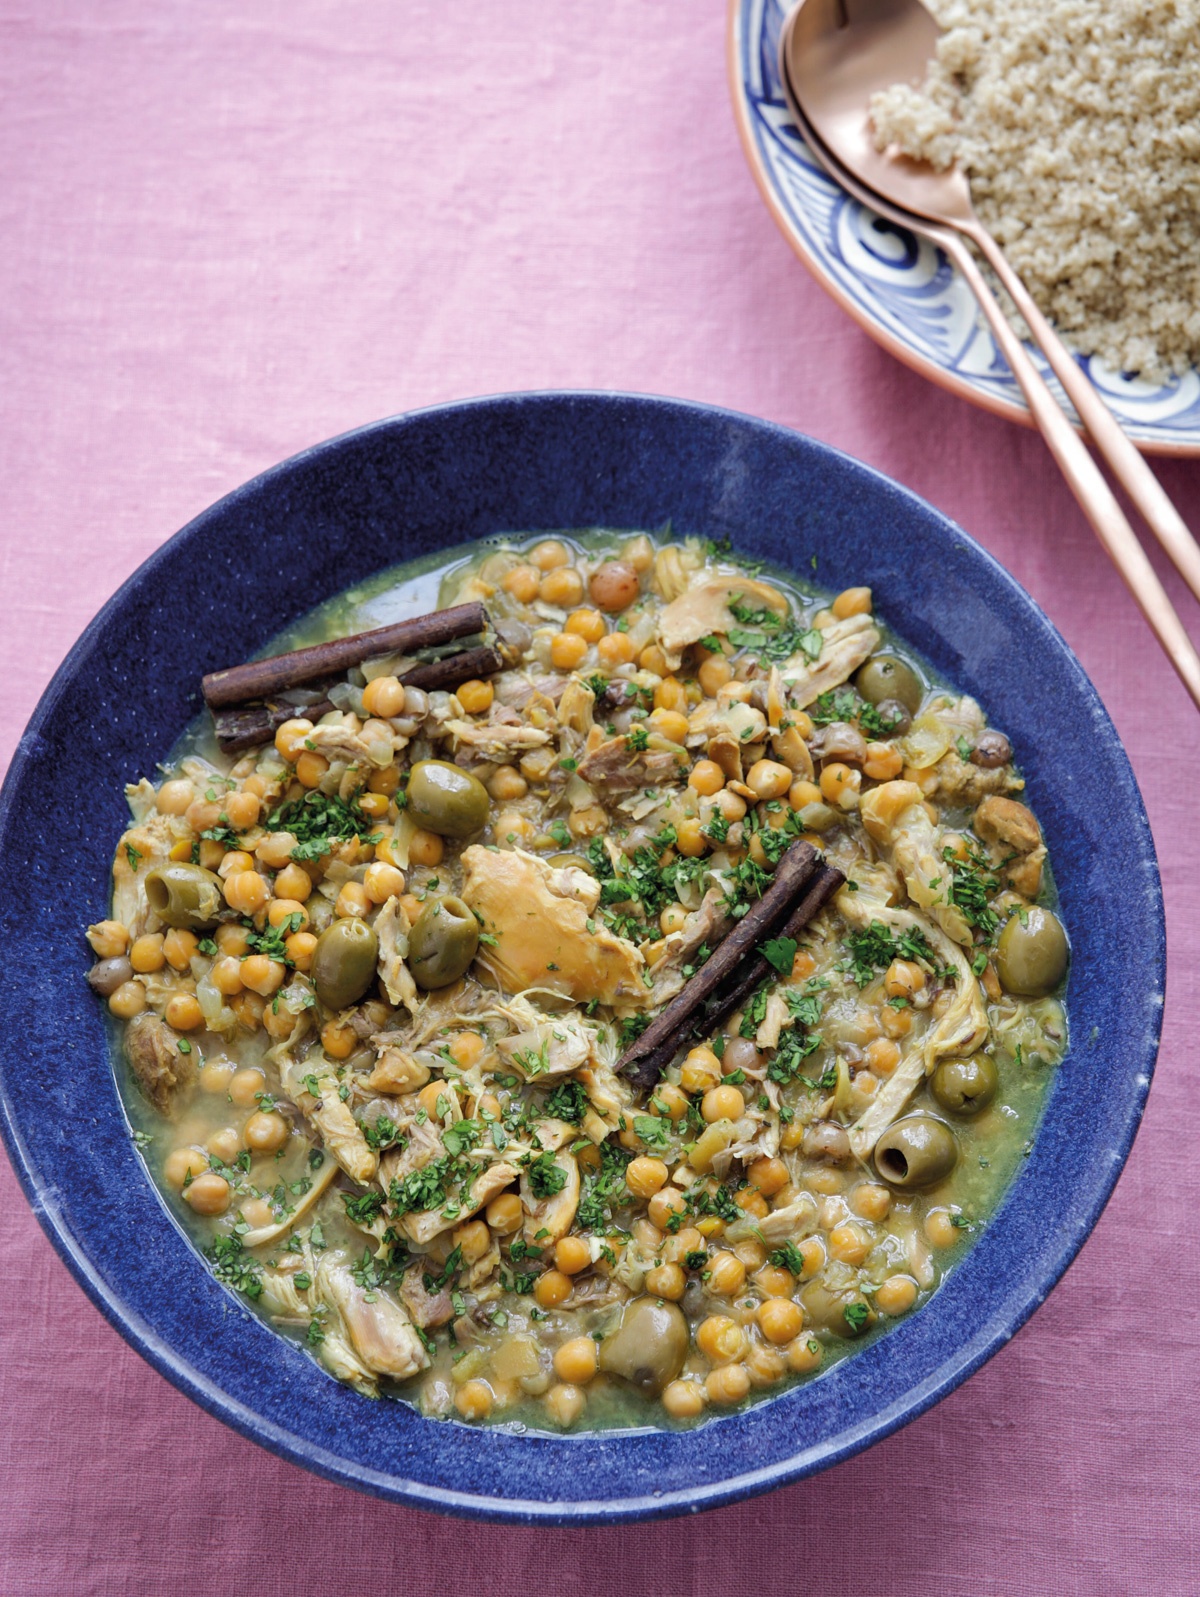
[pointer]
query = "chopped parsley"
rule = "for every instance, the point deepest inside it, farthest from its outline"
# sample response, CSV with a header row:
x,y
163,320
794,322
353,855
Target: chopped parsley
x,y
568,1101
233,1265
856,1316
603,1190
133,856
874,948
318,821
788,1257
780,952
545,1176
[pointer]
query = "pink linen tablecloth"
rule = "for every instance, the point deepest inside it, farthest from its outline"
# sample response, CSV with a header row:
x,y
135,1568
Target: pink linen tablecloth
x,y
231,230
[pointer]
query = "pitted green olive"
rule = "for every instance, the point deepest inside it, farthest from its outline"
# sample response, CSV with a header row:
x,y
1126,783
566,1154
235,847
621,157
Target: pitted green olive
x,y
184,895
840,1309
886,677
343,962
649,1346
442,943
918,1151
444,799
1031,955
965,1086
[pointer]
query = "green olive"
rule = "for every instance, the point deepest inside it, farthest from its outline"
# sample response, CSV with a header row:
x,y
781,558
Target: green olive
x,y
965,1086
885,676
572,861
840,1309
442,943
447,800
918,1151
184,895
343,962
649,1346
1031,955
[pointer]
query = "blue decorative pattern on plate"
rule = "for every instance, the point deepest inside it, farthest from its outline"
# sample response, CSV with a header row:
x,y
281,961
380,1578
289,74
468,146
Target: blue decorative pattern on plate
x,y
900,288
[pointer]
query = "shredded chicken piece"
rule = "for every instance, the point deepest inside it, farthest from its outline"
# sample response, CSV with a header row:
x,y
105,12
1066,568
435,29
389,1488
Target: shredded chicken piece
x,y
392,927
962,1030
423,1225
706,925
547,1219
379,1329
553,1048
396,1071
164,1074
543,939
1014,830
847,644
497,741
615,767
895,815
575,707
773,1022
704,610
428,1309
332,1118
337,742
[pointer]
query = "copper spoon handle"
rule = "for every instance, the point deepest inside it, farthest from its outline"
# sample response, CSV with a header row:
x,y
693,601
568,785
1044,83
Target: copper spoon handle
x,y
1128,466
1084,477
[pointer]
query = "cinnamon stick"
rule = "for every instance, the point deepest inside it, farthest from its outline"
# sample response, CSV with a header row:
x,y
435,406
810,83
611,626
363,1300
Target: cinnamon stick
x,y
821,887
261,679
759,923
245,726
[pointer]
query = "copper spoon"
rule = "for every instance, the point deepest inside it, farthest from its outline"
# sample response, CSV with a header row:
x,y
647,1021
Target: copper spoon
x,y
834,54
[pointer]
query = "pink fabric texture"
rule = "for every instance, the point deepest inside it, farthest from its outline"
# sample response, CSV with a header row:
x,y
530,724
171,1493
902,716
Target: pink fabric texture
x,y
229,231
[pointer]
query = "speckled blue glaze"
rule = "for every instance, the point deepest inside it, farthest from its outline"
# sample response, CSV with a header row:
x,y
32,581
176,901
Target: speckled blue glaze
x,y
343,510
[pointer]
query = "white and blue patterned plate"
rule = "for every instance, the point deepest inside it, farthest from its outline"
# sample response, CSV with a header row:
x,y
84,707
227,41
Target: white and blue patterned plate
x,y
900,288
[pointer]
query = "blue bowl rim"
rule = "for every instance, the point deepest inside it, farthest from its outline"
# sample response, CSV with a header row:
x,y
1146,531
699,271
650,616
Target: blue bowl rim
x,y
956,1368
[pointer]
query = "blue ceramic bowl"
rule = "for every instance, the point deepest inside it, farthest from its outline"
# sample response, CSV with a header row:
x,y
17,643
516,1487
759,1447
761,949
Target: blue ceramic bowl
x,y
343,510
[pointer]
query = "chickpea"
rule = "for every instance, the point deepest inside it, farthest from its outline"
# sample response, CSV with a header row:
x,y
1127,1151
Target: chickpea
x,y
549,555
720,1339
384,697
146,954
181,1163
764,1364
235,860
852,602
722,1103
883,763
310,768
895,1022
565,1403
645,1176
669,1101
769,779
109,939
672,919
941,1230
435,1098
731,806
266,1131
243,810
216,1075
804,1355
670,724
840,784
301,946
883,1056
653,660
849,1243
246,892
567,650
904,979
384,781
576,1361
701,1070
179,946
425,848
666,1281
256,1212
284,909
780,1320
769,1176
202,815
870,1201
353,900
474,1239
208,1193
382,882
727,1385
183,1012
801,794
262,975
707,778
174,797
506,783
562,587
290,738
572,1254
505,1214
551,1288
245,1086
128,1000
522,583
248,1007
684,1399
775,1282
664,1204
752,1202
473,1400
726,1274
896,1295
588,624
614,585
615,649
714,673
